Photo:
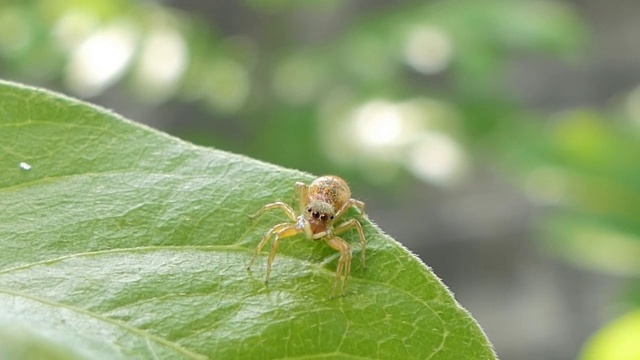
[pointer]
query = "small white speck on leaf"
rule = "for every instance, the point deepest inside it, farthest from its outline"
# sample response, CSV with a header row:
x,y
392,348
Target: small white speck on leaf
x,y
25,166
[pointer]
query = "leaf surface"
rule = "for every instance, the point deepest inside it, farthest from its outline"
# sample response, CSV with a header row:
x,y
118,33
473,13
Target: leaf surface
x,y
118,241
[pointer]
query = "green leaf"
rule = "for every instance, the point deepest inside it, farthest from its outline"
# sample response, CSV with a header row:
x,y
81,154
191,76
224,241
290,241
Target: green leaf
x,y
118,241
616,341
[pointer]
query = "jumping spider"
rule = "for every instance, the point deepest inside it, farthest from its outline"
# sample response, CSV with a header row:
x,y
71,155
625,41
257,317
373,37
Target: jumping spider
x,y
322,204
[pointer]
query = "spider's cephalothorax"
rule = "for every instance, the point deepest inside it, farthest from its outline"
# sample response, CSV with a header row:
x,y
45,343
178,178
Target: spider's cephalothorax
x,y
321,204
325,195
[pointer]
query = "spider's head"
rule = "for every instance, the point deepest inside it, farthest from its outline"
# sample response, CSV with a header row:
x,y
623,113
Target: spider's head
x,y
320,215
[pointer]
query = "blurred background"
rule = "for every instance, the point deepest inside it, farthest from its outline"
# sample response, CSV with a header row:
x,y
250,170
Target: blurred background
x,y
497,139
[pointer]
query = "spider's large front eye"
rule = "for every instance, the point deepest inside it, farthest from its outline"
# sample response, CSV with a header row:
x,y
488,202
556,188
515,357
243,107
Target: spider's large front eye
x,y
315,214
323,217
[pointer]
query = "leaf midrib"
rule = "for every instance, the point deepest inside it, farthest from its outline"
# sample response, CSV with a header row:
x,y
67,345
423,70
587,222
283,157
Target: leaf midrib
x,y
315,265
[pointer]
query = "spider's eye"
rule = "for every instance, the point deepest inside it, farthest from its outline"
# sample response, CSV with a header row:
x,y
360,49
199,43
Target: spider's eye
x,y
309,209
331,217
323,217
315,214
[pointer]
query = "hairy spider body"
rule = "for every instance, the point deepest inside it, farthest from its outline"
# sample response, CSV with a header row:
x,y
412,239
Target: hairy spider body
x,y
321,205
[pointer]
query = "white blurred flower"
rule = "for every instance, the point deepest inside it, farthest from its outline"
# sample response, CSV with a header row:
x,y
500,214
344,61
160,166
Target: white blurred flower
x,y
428,49
101,59
436,158
162,62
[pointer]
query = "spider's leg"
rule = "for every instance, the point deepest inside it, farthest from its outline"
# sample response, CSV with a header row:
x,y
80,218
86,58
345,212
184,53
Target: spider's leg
x,y
265,238
276,205
286,231
301,190
351,202
353,223
344,263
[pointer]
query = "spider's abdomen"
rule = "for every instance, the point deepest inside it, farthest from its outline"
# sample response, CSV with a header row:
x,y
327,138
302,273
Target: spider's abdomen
x,y
331,190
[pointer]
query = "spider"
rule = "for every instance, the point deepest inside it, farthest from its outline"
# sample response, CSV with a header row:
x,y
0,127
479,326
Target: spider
x,y
322,204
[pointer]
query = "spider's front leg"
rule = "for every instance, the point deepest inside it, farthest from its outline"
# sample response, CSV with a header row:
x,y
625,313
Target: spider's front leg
x,y
288,231
301,191
274,230
276,205
281,231
349,203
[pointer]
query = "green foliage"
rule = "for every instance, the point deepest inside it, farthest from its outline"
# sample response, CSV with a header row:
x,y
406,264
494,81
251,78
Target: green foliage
x,y
118,241
617,341
264,78
584,167
274,80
